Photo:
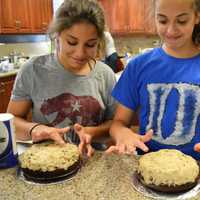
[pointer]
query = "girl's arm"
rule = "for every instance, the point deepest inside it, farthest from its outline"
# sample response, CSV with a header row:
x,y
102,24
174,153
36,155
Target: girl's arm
x,y
97,131
20,109
122,120
126,140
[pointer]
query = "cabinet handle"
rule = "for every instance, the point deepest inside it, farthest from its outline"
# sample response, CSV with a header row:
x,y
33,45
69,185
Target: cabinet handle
x,y
18,24
2,91
44,23
44,26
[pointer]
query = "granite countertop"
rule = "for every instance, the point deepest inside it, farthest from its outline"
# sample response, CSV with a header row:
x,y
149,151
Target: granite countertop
x,y
103,177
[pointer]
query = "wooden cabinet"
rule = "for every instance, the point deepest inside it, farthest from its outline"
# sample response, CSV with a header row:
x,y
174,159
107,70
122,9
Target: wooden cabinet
x,y
119,16
0,16
25,16
149,18
136,15
106,5
41,15
128,16
6,85
14,16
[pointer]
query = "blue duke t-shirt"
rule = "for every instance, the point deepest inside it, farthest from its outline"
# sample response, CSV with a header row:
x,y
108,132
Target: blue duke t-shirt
x,y
166,90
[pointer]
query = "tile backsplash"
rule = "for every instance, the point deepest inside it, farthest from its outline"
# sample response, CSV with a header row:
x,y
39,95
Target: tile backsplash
x,y
131,44
134,44
28,49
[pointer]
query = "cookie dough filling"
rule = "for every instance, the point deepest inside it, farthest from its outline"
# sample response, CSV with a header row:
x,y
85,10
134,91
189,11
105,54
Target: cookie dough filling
x,y
168,167
49,157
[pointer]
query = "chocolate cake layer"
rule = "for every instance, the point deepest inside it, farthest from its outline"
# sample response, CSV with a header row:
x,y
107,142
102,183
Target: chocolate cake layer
x,y
167,188
48,176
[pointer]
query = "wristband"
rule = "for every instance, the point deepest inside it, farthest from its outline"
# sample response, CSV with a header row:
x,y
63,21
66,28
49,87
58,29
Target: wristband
x,y
31,130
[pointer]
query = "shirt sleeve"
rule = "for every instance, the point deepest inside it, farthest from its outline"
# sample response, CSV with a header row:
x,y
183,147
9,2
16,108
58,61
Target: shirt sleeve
x,y
110,45
110,101
125,91
22,85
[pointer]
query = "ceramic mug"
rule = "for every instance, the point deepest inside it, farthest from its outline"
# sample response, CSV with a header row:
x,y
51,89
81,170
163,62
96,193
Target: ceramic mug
x,y
8,147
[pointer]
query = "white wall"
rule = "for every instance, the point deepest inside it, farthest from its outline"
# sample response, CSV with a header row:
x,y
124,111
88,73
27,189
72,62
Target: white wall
x,y
28,49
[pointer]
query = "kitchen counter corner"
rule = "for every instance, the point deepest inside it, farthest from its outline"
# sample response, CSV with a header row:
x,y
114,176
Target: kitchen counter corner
x,y
9,73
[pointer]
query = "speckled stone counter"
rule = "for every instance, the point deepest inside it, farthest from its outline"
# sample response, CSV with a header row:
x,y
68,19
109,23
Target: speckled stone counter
x,y
103,177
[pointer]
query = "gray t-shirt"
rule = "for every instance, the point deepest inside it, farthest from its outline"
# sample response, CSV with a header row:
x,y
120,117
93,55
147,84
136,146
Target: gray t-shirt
x,y
61,98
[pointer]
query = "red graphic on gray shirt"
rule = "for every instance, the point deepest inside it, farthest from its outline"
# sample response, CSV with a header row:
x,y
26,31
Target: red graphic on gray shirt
x,y
85,110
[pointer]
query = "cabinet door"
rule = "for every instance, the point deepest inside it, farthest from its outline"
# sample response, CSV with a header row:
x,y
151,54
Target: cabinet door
x,y
136,15
149,19
15,17
41,14
0,17
22,16
129,16
107,7
6,85
48,13
119,16
7,16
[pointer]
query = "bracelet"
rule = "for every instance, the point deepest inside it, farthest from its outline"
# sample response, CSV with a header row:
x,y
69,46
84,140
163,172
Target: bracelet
x,y
31,130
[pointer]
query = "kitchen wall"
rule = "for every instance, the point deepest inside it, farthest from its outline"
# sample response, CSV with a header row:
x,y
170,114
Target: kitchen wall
x,y
130,44
28,49
134,44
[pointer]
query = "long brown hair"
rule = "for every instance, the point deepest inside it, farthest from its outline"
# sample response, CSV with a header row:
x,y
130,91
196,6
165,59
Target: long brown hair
x,y
196,32
75,11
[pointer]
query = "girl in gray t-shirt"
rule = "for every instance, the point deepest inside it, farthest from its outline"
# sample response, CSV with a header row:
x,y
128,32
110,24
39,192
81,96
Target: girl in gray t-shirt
x,y
68,91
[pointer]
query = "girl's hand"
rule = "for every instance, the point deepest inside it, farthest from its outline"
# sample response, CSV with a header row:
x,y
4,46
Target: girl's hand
x,y
85,140
127,143
43,132
197,147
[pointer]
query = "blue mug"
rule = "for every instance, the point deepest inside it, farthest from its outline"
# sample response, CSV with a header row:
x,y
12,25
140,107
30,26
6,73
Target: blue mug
x,y
8,147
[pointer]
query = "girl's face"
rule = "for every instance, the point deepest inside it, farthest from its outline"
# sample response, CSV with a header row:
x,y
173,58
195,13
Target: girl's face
x,y
77,45
175,21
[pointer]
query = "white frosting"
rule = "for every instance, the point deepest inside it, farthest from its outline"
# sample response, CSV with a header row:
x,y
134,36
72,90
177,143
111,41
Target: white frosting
x,y
49,157
168,167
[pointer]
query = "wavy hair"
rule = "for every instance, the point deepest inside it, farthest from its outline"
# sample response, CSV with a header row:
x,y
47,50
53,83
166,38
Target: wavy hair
x,y
75,11
196,31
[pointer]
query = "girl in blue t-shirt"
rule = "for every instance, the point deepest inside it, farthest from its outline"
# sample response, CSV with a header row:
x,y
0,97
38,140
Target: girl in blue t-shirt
x,y
163,86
